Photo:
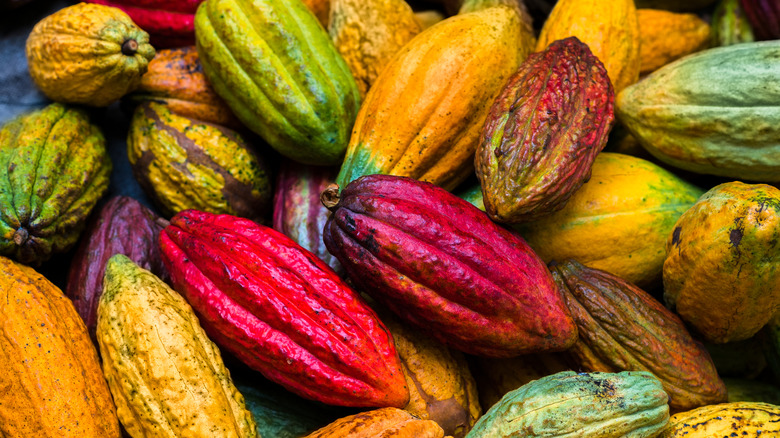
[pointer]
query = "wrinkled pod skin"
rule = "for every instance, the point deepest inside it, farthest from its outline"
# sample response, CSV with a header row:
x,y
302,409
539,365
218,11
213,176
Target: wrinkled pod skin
x,y
441,264
282,311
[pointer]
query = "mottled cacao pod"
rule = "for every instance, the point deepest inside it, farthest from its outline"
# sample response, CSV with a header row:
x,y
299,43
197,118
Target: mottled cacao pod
x,y
54,169
183,163
441,387
764,17
384,423
298,212
442,265
123,226
748,419
623,328
585,405
282,311
543,132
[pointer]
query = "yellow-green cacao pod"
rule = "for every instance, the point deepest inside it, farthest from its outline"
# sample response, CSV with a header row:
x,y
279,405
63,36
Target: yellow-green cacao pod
x,y
183,163
166,376
53,169
741,419
279,72
568,404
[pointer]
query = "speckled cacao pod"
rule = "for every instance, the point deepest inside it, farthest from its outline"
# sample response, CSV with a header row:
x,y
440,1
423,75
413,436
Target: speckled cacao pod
x,y
543,132
298,212
282,311
527,38
748,419
441,387
166,376
604,405
442,265
55,167
175,77
384,423
764,17
123,226
183,163
623,328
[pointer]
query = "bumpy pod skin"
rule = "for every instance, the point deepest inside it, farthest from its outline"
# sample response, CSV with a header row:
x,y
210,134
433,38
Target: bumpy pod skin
x,y
584,405
423,115
543,132
751,419
527,41
183,163
298,212
623,328
722,267
170,23
52,386
175,77
53,169
279,72
166,376
282,311
764,17
87,54
442,265
714,112
380,423
123,226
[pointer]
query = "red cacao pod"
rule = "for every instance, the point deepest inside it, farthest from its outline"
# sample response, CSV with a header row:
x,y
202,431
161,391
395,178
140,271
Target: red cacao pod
x,y
298,212
282,311
123,226
543,132
764,18
170,23
442,265
623,328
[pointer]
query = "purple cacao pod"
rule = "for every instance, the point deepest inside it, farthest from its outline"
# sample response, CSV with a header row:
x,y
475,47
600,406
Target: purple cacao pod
x,y
442,265
298,212
543,132
123,226
764,18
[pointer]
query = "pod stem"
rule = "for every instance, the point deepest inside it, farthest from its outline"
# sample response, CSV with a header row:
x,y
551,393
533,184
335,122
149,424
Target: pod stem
x,y
20,236
129,47
330,197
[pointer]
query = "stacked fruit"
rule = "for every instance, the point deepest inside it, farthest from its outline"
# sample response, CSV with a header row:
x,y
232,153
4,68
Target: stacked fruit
x,y
569,290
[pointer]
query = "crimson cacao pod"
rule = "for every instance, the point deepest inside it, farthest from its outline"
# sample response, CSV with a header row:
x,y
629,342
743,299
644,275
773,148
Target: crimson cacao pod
x,y
123,226
298,212
170,23
543,132
282,311
764,18
442,265
623,328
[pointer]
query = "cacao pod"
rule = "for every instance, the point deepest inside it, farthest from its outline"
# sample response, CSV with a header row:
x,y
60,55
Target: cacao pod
x,y
729,25
713,112
606,405
123,226
527,38
543,132
666,36
720,273
183,163
279,72
282,311
725,420
444,266
55,168
166,376
623,328
88,54
384,423
52,386
764,17
744,390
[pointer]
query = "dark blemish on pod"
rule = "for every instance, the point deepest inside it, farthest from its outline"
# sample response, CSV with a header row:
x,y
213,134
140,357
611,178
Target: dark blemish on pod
x,y
676,236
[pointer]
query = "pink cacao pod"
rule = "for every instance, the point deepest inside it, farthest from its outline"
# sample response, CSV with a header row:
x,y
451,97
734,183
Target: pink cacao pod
x,y
282,311
442,265
123,226
764,18
543,132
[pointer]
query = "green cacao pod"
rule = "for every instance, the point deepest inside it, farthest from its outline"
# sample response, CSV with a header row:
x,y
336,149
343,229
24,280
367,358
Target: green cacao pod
x,y
279,72
729,25
752,391
183,163
606,405
713,112
623,328
166,376
722,267
743,359
54,169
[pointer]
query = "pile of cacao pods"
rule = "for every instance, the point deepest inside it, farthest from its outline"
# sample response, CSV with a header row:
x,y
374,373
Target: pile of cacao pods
x,y
374,218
